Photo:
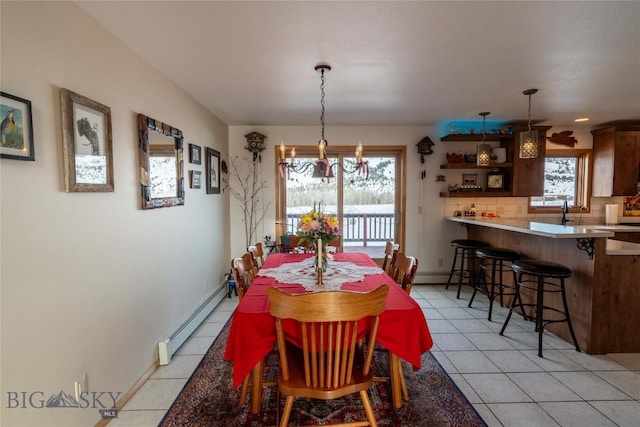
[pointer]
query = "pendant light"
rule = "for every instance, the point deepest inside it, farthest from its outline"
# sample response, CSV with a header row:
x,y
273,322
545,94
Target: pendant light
x,y
529,139
483,157
321,167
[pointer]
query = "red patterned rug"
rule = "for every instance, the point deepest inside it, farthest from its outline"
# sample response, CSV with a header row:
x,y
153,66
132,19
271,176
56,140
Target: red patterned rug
x,y
207,399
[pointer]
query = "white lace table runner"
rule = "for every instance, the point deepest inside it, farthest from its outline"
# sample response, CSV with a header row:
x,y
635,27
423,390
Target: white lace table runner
x,y
303,273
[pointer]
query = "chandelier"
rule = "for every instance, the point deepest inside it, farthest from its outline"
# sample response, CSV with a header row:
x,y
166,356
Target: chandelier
x,y
321,166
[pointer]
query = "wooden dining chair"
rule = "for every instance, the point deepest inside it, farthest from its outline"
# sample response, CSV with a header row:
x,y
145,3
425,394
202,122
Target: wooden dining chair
x,y
295,245
257,254
240,274
390,251
335,245
249,266
244,271
330,363
405,268
404,271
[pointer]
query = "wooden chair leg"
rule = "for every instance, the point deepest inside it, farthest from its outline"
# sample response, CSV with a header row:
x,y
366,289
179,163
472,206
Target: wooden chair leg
x,y
403,384
368,409
245,387
286,412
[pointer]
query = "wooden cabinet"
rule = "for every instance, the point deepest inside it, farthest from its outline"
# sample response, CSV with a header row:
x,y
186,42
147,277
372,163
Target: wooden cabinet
x,y
528,174
522,177
616,160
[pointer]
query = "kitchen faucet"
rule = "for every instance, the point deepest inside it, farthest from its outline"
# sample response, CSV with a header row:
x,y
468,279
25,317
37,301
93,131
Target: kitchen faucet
x,y
565,211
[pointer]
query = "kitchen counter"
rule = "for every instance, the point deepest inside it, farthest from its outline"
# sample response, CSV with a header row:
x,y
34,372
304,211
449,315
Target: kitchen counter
x,y
554,231
558,231
602,293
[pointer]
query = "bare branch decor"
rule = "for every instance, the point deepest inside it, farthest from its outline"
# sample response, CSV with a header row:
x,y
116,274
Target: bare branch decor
x,y
246,185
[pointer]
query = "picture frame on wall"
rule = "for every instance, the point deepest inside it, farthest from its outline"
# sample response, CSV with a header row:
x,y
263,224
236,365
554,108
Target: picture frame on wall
x,y
495,181
470,179
17,128
196,179
213,171
195,154
86,144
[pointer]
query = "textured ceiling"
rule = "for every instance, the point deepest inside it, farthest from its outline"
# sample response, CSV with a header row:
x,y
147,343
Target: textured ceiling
x,y
394,63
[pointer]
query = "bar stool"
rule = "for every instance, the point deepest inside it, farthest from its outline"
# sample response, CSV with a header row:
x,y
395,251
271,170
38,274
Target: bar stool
x,y
466,250
547,277
494,260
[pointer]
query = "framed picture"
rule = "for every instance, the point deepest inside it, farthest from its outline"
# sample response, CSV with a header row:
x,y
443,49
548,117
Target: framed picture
x,y
17,129
86,144
196,179
495,181
194,154
213,171
469,179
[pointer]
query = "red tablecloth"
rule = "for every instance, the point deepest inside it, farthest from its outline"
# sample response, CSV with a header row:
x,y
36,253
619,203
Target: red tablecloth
x,y
403,329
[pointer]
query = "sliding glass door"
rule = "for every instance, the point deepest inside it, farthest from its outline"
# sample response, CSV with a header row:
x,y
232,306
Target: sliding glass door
x,y
370,211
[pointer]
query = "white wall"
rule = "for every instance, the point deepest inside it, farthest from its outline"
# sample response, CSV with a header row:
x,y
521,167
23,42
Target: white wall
x,y
427,234
90,282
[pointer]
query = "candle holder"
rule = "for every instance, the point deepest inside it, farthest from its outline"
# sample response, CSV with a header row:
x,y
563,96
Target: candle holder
x,y
319,278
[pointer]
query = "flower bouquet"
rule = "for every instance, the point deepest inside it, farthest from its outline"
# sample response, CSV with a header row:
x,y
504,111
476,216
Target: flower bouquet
x,y
318,229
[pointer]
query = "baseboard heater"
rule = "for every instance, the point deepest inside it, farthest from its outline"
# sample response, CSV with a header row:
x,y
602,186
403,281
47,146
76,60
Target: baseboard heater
x,y
172,342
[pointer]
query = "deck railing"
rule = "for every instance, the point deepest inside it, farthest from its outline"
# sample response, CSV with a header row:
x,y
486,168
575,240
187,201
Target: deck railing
x,y
362,227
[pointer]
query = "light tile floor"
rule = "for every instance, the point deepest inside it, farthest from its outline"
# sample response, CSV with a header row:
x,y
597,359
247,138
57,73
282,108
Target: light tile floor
x,y
502,377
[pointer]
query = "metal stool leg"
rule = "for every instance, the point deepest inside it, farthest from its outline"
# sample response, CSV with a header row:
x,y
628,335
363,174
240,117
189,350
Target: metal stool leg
x,y
461,272
453,267
514,302
480,281
492,293
501,284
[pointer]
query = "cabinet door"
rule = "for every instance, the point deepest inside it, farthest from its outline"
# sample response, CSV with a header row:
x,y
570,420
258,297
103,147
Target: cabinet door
x,y
626,163
528,174
603,160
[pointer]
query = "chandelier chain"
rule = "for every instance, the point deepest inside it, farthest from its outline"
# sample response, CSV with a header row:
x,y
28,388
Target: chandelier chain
x,y
529,124
322,102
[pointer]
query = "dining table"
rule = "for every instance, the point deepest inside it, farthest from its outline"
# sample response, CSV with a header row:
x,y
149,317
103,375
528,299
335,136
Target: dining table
x,y
402,330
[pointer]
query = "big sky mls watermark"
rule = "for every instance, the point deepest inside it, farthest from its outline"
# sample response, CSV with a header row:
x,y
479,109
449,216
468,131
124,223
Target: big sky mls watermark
x,y
103,401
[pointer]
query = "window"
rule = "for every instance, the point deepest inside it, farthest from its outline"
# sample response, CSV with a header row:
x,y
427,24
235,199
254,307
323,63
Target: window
x,y
567,176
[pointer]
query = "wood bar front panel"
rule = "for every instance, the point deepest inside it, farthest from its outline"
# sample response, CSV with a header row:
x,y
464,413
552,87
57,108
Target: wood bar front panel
x,y
602,293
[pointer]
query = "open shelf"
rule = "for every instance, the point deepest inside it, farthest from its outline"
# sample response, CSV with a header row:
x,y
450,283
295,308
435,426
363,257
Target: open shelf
x,y
476,137
475,194
475,166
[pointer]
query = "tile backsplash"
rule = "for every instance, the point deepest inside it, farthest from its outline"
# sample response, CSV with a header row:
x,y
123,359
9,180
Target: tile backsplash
x,y
516,207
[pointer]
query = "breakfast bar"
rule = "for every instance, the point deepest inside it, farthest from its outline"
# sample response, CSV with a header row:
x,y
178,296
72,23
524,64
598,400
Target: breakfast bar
x,y
604,289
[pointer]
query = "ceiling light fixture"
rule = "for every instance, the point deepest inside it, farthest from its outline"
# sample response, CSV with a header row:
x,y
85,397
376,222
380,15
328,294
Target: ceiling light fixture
x,y
581,119
321,166
483,156
529,139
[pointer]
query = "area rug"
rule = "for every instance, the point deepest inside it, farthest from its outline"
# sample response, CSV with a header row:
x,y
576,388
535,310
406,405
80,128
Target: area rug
x,y
207,399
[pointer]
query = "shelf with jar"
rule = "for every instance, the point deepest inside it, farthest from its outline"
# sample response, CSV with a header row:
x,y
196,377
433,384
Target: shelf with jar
x,y
501,154
492,180
520,177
